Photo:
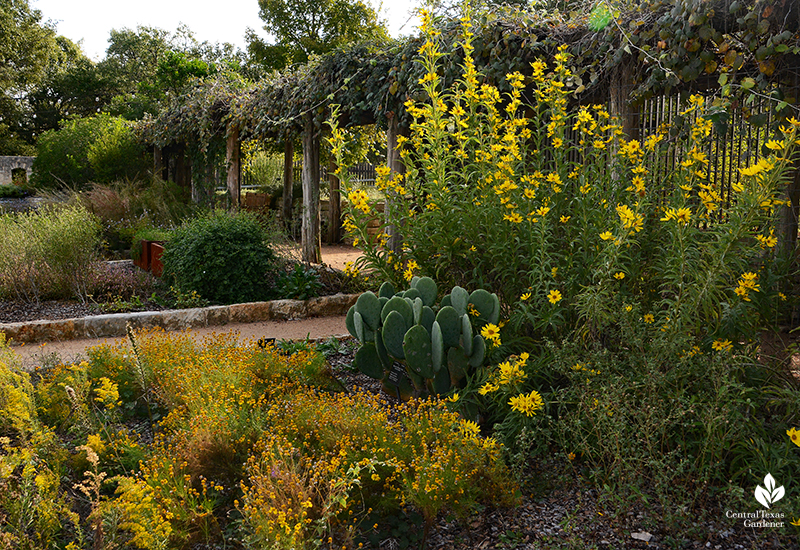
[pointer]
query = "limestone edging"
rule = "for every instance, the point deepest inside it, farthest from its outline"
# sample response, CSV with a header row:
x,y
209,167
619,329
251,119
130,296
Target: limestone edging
x,y
114,324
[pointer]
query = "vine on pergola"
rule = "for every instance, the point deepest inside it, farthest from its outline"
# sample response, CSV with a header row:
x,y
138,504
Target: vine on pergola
x,y
749,47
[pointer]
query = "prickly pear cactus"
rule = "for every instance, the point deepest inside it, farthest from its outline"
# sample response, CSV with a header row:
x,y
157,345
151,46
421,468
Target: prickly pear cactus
x,y
437,345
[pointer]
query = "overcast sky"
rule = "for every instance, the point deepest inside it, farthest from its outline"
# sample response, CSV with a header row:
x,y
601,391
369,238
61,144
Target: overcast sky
x,y
92,20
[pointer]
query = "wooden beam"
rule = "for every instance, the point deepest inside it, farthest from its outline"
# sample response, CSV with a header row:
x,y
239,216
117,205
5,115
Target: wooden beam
x,y
158,164
311,245
183,168
233,162
288,180
622,83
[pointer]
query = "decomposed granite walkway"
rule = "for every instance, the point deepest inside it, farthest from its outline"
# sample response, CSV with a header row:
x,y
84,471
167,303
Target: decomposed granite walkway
x,y
283,319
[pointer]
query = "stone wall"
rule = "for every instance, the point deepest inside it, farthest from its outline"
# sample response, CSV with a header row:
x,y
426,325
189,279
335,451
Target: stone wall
x,y
9,164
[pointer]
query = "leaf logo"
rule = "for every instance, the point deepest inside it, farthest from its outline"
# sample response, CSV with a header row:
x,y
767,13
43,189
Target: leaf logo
x,y
770,494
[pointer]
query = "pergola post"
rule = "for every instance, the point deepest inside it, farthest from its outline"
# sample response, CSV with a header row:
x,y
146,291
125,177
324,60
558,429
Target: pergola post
x,y
288,180
158,163
622,82
233,162
183,168
310,235
396,166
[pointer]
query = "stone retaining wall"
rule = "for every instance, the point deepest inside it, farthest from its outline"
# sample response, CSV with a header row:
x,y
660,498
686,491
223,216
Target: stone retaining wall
x,y
9,164
114,325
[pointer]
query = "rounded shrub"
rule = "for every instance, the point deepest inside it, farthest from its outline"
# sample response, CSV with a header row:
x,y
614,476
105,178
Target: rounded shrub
x,y
226,258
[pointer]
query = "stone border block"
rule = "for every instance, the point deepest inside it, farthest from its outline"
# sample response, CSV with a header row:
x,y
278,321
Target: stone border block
x,y
180,319
106,326
251,312
218,315
286,310
338,304
114,325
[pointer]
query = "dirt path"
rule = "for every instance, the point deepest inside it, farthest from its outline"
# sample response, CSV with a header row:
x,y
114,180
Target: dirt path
x,y
335,256
32,355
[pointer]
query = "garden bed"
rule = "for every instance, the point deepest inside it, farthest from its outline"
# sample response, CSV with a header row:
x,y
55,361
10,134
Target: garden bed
x,y
558,507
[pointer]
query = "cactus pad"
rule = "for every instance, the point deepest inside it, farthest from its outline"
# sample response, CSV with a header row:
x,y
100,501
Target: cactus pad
x,y
427,290
400,305
369,307
394,329
450,323
459,299
417,347
368,362
386,290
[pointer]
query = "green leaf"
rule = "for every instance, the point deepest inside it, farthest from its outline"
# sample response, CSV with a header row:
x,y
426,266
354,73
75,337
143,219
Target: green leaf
x,y
748,83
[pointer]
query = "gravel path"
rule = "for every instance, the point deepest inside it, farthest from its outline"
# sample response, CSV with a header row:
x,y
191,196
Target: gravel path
x,y
335,256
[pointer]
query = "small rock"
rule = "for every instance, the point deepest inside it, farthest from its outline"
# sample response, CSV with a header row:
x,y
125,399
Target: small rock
x,y
643,536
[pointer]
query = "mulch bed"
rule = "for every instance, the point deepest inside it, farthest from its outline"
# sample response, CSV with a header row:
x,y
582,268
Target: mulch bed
x,y
560,509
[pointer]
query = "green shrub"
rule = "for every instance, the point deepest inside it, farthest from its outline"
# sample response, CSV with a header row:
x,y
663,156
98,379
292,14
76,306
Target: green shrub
x,y
99,149
48,253
117,153
14,191
262,168
299,284
226,258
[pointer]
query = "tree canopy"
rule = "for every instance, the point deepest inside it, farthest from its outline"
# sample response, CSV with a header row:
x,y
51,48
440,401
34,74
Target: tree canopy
x,y
303,28
26,50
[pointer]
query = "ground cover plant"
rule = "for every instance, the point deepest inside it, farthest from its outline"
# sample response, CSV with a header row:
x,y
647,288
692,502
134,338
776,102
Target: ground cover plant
x,y
638,303
163,442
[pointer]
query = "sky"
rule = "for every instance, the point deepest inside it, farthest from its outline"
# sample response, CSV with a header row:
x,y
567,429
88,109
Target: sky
x,y
92,20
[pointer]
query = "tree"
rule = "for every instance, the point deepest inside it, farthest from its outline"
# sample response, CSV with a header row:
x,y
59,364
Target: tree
x,y
72,87
303,28
26,48
149,64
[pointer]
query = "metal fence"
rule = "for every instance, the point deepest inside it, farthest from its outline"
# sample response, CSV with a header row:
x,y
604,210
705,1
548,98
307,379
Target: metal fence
x,y
362,174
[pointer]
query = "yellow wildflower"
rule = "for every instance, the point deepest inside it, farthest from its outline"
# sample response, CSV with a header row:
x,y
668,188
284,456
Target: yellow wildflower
x,y
794,435
722,345
527,404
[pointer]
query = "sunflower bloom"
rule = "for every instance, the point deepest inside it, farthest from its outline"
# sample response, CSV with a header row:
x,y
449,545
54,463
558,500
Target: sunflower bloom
x,y
527,404
794,435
